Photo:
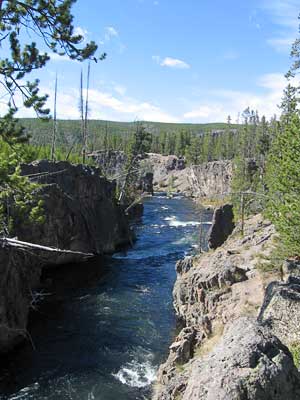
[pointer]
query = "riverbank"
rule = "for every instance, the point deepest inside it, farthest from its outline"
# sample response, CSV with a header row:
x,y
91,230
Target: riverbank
x,y
81,219
218,297
104,336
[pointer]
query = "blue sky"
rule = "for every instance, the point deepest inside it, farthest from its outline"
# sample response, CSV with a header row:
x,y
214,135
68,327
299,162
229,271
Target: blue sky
x,y
179,61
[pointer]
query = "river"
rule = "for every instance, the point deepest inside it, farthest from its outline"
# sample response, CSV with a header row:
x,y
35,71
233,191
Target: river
x,y
106,326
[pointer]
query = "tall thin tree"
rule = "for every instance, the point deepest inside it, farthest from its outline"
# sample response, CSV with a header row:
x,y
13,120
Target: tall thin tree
x,y
54,132
81,107
85,139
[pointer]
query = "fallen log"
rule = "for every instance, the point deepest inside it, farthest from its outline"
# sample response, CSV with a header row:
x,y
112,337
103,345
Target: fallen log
x,y
26,246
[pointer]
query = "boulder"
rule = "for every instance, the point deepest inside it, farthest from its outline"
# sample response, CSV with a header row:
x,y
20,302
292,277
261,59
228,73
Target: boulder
x,y
281,310
222,226
249,363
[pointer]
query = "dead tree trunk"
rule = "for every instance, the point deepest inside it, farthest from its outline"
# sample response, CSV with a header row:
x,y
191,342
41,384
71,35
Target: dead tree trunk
x,y
85,138
54,134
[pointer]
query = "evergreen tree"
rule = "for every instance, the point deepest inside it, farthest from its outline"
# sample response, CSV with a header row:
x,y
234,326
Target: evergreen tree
x,y
51,22
193,151
283,179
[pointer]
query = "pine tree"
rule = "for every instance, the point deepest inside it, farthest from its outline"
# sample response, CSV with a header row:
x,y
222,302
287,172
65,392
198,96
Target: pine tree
x,y
51,22
283,179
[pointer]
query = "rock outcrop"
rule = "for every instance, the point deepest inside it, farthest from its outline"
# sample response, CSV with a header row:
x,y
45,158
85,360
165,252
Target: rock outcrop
x,y
222,226
146,183
211,180
248,363
224,351
111,162
281,310
20,273
80,209
170,173
82,220
205,181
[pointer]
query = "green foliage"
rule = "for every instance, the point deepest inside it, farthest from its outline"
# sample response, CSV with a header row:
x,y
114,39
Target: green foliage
x,y
248,186
282,168
295,351
139,144
283,179
16,191
53,22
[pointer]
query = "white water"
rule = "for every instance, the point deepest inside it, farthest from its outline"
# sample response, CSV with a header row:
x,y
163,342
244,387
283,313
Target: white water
x,y
174,222
135,374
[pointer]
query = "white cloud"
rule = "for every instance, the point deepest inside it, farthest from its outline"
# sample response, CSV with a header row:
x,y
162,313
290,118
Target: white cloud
x,y
112,37
204,112
281,44
230,102
56,57
126,108
110,32
285,14
102,104
120,89
81,31
171,62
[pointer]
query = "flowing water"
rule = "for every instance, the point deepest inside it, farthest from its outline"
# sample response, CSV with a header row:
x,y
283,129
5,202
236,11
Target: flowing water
x,y
102,335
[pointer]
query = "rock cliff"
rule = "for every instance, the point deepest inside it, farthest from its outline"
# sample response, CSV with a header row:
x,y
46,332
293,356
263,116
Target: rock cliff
x,y
206,181
222,226
211,180
224,351
170,173
80,209
82,219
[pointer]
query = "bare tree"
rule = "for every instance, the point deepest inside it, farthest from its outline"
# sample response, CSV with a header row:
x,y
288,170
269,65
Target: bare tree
x,y
85,135
81,107
54,134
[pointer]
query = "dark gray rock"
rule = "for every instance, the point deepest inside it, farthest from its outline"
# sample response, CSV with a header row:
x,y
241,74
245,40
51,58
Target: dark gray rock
x,y
222,226
111,162
81,216
291,268
184,265
80,209
20,273
146,183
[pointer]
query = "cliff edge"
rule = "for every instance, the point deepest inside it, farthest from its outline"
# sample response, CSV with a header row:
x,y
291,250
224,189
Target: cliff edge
x,y
224,351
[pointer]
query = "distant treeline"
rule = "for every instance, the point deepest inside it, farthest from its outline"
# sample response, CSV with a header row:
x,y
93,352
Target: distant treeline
x,y
197,142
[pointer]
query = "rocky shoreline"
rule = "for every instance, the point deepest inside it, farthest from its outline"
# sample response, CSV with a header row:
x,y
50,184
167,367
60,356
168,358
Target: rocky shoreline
x,y
232,344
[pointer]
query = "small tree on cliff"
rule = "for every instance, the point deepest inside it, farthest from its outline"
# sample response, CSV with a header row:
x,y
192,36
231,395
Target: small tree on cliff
x,y
52,22
140,143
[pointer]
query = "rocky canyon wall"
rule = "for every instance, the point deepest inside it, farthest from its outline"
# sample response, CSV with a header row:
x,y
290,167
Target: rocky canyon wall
x,y
82,219
232,344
